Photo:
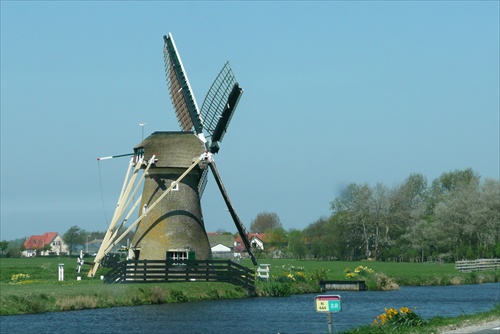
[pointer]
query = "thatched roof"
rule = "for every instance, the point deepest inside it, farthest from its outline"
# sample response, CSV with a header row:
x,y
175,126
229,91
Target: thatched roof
x,y
173,149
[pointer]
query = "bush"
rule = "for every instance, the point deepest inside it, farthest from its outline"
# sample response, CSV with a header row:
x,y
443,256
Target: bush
x,y
384,283
157,295
320,274
178,296
394,319
274,289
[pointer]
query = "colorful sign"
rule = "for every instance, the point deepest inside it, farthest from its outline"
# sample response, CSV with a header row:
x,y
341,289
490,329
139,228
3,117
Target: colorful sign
x,y
328,303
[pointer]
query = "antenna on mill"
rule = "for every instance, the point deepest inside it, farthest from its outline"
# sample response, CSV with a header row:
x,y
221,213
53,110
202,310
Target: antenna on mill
x,y
142,124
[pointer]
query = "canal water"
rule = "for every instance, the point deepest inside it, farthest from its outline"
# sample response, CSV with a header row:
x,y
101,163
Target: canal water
x,y
295,314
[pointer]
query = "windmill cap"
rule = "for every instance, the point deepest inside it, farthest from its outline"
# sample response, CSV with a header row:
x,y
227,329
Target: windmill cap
x,y
174,149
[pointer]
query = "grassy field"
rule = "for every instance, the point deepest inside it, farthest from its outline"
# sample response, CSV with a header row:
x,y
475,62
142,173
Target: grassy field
x,y
39,268
42,269
335,269
42,292
403,273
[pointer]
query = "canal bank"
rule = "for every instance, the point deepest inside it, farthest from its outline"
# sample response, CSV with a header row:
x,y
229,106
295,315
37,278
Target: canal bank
x,y
294,314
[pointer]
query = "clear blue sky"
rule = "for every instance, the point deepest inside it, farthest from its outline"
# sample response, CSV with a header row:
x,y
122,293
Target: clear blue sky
x,y
335,92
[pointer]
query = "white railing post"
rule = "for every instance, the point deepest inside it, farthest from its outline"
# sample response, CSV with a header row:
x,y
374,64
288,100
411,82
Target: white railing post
x,y
263,271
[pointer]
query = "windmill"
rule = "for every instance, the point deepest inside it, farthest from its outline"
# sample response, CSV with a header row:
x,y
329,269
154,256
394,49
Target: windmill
x,y
175,166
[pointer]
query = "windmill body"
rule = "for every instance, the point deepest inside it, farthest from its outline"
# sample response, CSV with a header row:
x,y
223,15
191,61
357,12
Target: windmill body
x,y
170,223
174,228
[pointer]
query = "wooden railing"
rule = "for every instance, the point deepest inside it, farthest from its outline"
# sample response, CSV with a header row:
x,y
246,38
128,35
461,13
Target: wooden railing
x,y
168,271
477,265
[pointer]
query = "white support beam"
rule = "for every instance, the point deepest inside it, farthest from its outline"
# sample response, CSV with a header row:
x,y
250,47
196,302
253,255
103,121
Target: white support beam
x,y
111,238
123,202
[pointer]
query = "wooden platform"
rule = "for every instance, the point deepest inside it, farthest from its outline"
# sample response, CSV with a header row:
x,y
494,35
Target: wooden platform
x,y
342,285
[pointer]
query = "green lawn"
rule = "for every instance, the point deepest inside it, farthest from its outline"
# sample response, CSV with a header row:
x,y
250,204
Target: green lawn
x,y
39,268
403,270
46,269
43,292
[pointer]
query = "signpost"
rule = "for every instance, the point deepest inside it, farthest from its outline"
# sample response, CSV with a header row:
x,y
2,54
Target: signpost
x,y
328,304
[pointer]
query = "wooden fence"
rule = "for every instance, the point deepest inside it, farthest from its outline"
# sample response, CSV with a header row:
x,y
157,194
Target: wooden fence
x,y
169,271
477,265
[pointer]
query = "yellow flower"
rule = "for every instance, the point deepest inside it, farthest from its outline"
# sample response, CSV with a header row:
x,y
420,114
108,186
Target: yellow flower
x,y
404,310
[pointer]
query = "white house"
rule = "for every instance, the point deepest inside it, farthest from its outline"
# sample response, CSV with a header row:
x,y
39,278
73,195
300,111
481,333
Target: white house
x,y
35,245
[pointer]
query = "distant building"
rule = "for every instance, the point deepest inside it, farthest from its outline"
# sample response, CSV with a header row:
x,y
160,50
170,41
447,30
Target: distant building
x,y
34,245
256,241
221,245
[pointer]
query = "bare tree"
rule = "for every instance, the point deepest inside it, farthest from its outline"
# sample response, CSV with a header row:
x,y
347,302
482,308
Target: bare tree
x,y
265,221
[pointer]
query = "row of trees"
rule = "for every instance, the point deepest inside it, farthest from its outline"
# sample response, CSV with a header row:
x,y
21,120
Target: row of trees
x,y
455,217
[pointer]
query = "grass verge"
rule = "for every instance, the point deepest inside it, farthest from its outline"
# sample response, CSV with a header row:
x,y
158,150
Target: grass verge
x,y
39,298
433,326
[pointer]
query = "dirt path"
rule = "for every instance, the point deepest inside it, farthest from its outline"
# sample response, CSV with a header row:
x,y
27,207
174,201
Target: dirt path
x,y
465,328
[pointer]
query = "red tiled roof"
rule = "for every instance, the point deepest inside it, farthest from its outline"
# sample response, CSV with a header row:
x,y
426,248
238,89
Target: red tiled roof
x,y
38,241
261,236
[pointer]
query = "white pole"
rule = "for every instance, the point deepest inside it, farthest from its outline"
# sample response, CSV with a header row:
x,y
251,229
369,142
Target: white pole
x,y
142,125
61,271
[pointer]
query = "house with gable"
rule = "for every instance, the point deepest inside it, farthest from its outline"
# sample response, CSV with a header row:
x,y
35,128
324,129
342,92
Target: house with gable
x,y
221,245
257,241
36,245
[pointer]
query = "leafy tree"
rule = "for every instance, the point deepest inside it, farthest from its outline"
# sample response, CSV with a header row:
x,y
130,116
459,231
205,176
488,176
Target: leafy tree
x,y
313,234
277,237
265,221
96,234
407,207
355,201
296,244
379,206
4,245
73,237
418,238
450,182
487,218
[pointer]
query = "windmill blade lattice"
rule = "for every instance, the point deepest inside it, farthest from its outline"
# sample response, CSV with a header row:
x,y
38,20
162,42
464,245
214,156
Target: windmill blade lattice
x,y
219,106
181,93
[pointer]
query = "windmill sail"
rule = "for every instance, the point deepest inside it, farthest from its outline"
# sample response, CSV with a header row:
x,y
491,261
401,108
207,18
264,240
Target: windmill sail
x,y
212,122
219,106
181,93
227,114
239,226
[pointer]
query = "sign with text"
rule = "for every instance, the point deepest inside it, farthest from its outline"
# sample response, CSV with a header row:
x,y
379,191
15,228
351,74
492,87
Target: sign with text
x,y
328,303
